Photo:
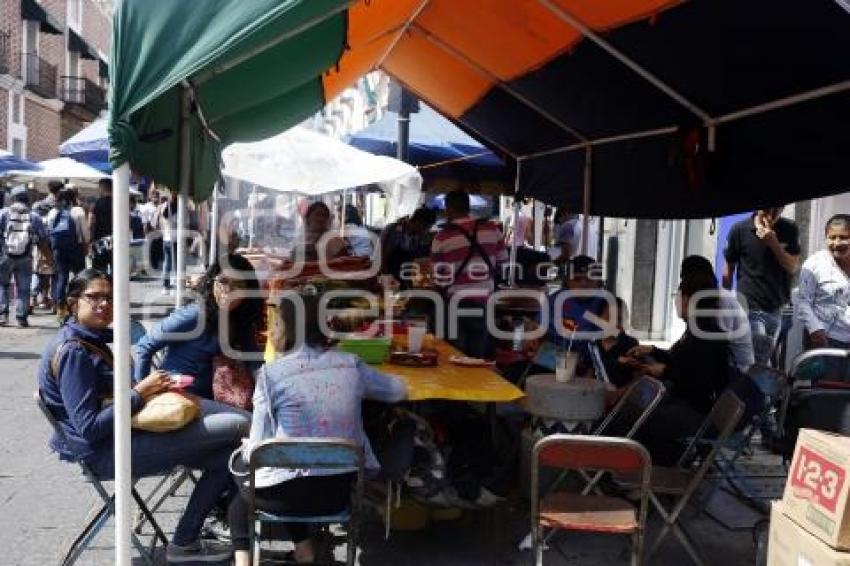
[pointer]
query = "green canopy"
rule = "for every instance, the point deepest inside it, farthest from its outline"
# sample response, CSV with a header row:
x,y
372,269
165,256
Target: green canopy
x,y
253,68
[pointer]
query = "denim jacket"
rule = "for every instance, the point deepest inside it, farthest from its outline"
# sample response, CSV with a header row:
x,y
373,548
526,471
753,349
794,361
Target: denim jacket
x,y
316,393
190,354
76,395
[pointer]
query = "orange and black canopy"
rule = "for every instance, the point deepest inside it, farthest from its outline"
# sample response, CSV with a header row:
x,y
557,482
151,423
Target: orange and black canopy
x,y
684,108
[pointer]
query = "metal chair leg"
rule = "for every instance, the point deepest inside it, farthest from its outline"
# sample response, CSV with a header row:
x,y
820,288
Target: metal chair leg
x,y
158,534
254,542
76,548
688,544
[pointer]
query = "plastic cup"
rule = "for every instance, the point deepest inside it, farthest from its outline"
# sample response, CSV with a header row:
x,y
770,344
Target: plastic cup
x,y
415,336
565,366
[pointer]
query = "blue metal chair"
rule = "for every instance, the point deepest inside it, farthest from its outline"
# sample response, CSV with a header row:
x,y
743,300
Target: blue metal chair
x,y
330,454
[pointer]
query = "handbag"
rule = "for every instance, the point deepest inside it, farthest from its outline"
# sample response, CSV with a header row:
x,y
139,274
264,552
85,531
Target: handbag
x,y
166,412
232,383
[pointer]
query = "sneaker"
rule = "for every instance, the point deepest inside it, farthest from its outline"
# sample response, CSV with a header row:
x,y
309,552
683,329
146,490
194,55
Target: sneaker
x,y
199,551
22,323
216,529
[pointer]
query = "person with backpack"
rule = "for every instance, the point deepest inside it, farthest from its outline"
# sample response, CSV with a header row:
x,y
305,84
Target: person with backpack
x,y
466,256
21,229
67,246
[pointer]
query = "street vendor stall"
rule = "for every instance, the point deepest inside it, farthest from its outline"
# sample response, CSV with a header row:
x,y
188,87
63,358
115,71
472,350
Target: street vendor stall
x,y
706,106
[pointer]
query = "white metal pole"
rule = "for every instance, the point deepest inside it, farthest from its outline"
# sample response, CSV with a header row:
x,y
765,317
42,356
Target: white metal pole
x,y
185,177
252,205
517,205
212,228
121,349
585,228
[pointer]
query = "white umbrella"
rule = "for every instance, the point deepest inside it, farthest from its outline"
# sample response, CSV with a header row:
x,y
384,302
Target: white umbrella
x,y
303,161
61,168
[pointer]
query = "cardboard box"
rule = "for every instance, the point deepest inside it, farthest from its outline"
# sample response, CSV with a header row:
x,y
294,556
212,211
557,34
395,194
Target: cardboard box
x,y
818,486
791,545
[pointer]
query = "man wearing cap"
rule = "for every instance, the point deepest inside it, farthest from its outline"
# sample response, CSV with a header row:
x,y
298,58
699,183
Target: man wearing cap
x,y
21,230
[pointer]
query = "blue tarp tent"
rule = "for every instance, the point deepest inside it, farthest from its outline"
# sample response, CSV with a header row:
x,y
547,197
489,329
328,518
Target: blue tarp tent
x,y
435,140
11,162
90,146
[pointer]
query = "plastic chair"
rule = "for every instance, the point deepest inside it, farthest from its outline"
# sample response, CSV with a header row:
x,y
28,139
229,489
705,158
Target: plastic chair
x,y
93,527
589,513
680,482
332,454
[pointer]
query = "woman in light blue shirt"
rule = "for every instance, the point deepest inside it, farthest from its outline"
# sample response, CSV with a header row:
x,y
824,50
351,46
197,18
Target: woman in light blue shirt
x,y
311,391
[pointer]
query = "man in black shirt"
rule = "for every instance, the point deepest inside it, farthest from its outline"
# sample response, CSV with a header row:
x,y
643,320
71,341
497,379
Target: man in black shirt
x,y
765,251
101,227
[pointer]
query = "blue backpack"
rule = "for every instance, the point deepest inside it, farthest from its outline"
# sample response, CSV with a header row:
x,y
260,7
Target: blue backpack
x,y
63,233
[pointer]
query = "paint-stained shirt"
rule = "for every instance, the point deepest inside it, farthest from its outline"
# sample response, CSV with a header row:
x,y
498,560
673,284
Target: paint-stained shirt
x,y
450,249
316,393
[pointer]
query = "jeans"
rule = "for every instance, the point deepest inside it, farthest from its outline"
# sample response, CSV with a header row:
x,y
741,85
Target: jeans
x,y
765,328
63,267
205,444
18,269
169,255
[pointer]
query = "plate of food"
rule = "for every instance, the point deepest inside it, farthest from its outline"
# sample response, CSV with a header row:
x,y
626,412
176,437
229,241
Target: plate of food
x,y
411,359
467,361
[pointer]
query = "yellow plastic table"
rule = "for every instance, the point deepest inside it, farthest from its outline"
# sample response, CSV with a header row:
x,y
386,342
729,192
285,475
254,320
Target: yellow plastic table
x,y
452,382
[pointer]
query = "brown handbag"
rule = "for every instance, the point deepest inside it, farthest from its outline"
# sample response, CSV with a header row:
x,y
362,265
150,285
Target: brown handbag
x,y
233,383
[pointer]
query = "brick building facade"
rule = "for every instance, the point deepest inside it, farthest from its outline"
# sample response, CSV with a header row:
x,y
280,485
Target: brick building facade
x,y
53,72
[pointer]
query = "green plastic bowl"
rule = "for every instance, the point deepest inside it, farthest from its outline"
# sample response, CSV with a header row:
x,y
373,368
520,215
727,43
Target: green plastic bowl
x,y
370,350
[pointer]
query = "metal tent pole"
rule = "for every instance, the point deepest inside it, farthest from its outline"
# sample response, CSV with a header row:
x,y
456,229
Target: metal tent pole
x,y
182,197
512,274
585,235
213,225
121,349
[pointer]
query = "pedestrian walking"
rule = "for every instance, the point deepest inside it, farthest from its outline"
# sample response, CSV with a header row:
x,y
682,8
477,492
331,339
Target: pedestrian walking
x,y
67,246
21,230
101,228
764,252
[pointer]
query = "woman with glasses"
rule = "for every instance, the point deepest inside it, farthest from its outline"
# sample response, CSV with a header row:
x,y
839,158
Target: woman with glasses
x,y
223,320
75,379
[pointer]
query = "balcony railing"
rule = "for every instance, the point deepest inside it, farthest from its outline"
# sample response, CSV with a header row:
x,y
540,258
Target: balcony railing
x,y
39,75
77,90
5,52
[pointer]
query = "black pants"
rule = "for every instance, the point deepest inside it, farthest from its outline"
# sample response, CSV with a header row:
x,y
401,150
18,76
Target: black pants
x,y
665,433
316,495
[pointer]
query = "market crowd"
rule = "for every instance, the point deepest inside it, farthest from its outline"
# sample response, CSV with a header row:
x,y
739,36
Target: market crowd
x,y
311,389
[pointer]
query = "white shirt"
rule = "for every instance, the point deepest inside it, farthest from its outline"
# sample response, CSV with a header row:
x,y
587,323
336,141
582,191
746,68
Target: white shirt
x,y
823,299
734,321
147,211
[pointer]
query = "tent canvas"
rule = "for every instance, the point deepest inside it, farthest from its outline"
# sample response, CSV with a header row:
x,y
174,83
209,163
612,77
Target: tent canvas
x,y
62,168
303,161
90,146
11,162
441,149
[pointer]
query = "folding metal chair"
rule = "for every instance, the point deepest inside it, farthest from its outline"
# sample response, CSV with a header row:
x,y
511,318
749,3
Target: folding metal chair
x,y
772,385
627,416
680,482
589,513
93,527
334,454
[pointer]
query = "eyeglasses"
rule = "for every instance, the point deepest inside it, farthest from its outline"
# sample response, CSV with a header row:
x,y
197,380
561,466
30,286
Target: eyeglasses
x,y
95,299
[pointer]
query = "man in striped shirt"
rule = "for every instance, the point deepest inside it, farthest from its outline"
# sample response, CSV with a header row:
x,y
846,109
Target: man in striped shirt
x,y
467,255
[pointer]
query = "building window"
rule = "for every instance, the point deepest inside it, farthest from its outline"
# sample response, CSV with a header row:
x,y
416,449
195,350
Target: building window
x,y
75,15
30,64
17,108
18,147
